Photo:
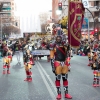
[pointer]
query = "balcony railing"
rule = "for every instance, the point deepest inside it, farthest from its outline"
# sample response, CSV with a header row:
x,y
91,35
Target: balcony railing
x,y
94,0
91,19
6,12
6,0
93,9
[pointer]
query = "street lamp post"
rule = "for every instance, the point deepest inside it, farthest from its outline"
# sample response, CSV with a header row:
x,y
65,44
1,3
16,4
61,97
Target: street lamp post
x,y
92,17
88,30
1,29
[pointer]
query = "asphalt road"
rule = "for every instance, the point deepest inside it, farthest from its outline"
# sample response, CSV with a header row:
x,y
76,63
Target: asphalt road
x,y
13,86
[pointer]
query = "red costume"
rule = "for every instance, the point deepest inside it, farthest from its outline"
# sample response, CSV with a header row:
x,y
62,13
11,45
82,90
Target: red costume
x,y
6,64
58,55
28,62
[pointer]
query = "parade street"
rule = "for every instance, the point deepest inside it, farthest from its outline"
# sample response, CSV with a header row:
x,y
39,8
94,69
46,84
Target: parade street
x,y
13,86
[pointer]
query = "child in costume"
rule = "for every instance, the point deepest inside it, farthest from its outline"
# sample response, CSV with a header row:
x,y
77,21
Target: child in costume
x,y
6,62
96,72
28,65
90,58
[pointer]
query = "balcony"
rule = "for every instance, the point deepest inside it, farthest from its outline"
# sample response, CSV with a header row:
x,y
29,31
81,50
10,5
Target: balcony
x,y
91,19
8,13
6,0
94,0
93,9
6,8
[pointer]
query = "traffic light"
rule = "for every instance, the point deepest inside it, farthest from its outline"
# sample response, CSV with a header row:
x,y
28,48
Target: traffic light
x,y
59,6
96,30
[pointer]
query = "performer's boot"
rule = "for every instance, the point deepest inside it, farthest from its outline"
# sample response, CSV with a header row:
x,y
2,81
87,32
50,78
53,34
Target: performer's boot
x,y
98,82
8,72
26,79
59,96
30,79
68,96
33,63
65,84
4,72
89,64
94,82
57,83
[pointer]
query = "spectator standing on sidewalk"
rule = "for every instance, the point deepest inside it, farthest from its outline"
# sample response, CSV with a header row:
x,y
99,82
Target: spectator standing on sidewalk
x,y
17,48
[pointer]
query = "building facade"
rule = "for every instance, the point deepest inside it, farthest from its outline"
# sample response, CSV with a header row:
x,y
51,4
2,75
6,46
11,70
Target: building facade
x,y
94,8
54,10
64,8
7,7
7,11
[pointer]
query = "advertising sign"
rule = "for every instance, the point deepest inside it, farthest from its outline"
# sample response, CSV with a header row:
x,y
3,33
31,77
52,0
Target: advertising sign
x,y
85,3
85,23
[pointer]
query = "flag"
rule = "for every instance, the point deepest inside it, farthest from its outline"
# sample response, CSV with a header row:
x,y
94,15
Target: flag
x,y
75,20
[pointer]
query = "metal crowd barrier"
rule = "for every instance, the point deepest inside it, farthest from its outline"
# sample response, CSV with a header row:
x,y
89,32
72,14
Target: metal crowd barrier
x,y
41,52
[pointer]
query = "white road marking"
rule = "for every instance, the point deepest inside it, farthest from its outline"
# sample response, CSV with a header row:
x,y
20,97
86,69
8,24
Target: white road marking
x,y
51,82
46,83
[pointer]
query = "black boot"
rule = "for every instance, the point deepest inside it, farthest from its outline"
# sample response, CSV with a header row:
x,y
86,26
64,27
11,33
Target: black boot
x,y
94,83
59,93
98,82
68,96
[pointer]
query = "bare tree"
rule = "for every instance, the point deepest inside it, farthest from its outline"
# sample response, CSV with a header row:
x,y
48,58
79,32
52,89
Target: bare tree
x,y
10,29
43,20
16,30
43,17
43,28
8,25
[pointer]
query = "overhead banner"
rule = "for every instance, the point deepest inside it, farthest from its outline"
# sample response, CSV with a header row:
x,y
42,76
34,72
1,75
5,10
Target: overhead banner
x,y
76,15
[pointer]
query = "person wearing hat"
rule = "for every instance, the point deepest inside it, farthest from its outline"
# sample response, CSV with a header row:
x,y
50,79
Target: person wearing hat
x,y
58,55
6,61
28,65
96,72
17,48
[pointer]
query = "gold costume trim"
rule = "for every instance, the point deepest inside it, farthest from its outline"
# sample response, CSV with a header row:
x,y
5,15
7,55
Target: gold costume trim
x,y
71,29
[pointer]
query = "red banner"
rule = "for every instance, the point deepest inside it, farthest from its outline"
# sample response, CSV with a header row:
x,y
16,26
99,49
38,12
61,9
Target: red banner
x,y
75,20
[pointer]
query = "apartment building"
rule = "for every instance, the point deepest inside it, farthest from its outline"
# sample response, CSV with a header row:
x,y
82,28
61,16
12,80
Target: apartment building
x,y
7,11
95,10
7,7
54,10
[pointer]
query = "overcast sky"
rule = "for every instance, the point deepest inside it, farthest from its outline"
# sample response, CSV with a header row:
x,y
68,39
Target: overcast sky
x,y
28,10
33,5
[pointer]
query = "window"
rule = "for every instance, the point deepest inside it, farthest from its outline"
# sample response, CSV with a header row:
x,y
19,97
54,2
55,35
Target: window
x,y
12,8
12,4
